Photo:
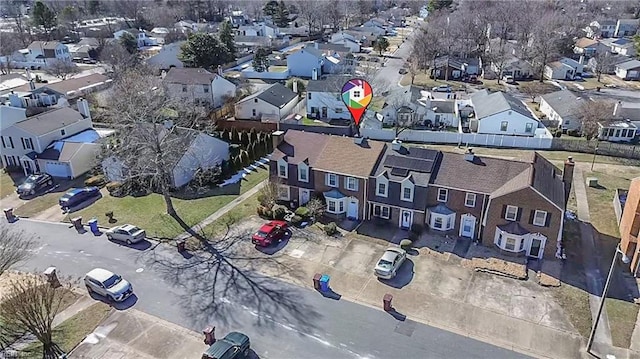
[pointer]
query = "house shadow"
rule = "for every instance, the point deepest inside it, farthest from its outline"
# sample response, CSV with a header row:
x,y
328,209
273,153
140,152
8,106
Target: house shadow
x,y
189,193
403,277
378,230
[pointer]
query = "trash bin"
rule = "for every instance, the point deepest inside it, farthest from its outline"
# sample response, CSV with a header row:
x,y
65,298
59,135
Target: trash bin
x,y
8,212
93,225
52,276
386,302
182,244
324,283
209,335
77,223
316,281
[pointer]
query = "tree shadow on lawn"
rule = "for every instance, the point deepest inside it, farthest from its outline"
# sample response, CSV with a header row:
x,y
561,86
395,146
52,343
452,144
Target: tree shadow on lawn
x,y
225,276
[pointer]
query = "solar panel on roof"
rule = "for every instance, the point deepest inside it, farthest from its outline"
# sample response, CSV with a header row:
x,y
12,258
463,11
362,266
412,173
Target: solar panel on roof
x,y
411,164
402,172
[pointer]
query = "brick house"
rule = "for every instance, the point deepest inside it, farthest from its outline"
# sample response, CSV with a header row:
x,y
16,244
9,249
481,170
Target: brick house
x,y
304,164
630,226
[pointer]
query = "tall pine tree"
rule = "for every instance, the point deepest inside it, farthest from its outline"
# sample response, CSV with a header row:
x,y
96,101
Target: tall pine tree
x,y
226,38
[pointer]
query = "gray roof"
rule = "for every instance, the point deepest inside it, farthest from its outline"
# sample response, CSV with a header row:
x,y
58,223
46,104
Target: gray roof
x,y
564,102
443,106
189,76
277,95
486,104
627,111
50,121
312,50
404,95
333,47
45,45
629,65
332,84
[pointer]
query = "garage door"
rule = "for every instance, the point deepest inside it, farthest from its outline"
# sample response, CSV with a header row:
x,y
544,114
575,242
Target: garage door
x,y
58,169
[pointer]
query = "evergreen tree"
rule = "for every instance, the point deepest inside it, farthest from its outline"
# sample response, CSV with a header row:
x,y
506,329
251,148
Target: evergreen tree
x,y
43,16
270,8
226,38
261,60
203,50
129,43
281,16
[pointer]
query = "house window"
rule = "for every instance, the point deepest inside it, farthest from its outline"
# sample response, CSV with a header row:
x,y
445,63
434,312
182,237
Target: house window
x,y
510,245
253,112
437,222
205,88
27,144
335,206
332,180
504,125
442,222
184,88
309,95
381,211
540,218
381,189
283,169
528,127
283,193
511,213
470,200
443,193
406,194
338,110
255,100
351,184
63,132
303,173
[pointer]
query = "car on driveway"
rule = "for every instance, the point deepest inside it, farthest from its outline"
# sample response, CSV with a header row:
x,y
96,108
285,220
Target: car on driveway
x,y
108,285
402,71
35,183
234,346
127,233
391,261
77,196
442,88
270,233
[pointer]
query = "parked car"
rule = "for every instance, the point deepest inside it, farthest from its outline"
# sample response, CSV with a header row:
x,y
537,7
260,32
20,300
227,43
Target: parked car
x,y
35,183
402,71
234,346
108,285
126,233
88,60
270,233
77,196
442,88
392,259
508,79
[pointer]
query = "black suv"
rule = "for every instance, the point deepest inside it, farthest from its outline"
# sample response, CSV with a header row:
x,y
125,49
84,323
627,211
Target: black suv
x,y
35,183
234,346
77,196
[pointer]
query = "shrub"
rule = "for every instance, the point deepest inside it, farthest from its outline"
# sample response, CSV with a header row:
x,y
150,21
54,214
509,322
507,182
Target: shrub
x,y
279,212
114,187
296,220
331,229
97,181
303,212
268,214
405,243
260,210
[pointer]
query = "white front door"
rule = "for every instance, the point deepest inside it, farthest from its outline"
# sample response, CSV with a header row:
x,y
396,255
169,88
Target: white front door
x,y
467,226
303,196
352,208
406,218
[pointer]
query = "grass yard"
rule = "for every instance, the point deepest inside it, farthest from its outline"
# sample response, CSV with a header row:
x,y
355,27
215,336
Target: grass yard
x,y
491,85
535,107
542,87
243,210
149,211
72,331
311,122
622,320
423,80
49,199
7,185
277,68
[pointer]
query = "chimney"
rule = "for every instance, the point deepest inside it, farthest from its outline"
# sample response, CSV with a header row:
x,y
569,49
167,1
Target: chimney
x,y
14,100
83,108
567,177
470,156
314,74
616,108
295,86
220,73
396,145
277,138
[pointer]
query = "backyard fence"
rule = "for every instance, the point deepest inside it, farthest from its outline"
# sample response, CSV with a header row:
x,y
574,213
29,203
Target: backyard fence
x,y
604,148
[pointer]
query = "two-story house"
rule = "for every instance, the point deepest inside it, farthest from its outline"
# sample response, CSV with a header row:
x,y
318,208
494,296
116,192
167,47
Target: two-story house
x,y
601,29
305,61
198,86
630,226
24,141
335,168
324,98
142,38
626,27
412,106
274,103
518,207
47,52
500,113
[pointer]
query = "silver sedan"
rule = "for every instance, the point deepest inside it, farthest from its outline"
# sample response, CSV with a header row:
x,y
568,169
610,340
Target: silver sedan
x,y
391,261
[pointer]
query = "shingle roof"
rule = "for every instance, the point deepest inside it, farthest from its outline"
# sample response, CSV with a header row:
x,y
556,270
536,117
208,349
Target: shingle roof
x,y
564,102
277,95
545,180
627,111
486,104
330,84
585,42
299,146
311,50
75,84
443,106
629,65
50,121
189,76
44,45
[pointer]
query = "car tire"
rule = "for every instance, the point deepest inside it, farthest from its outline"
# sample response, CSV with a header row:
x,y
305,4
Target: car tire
x,y
128,241
109,237
245,353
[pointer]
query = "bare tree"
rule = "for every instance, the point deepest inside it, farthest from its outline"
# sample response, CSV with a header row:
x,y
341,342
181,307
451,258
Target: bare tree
x,y
268,194
30,308
22,24
334,14
533,90
15,247
603,62
413,66
591,113
497,55
118,58
310,12
62,69
546,39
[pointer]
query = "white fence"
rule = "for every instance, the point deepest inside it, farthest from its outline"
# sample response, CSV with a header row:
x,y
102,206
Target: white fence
x,y
458,138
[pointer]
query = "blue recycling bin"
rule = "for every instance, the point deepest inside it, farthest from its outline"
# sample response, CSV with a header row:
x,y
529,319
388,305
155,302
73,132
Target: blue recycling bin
x,y
324,283
93,225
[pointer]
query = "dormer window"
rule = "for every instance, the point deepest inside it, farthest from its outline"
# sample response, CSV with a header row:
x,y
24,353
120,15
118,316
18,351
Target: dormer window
x,y
283,168
407,190
303,172
382,186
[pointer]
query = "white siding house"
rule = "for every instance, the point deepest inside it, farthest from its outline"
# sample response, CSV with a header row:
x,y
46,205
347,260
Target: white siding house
x,y
577,67
324,100
562,106
47,52
629,70
559,71
302,62
272,104
617,131
501,114
199,86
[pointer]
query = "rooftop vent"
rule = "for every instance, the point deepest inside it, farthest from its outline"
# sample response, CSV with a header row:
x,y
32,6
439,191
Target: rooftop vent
x,y
396,145
469,156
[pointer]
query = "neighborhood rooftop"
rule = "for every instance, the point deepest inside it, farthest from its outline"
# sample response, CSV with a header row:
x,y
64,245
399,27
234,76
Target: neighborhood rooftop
x,y
277,95
50,121
486,104
564,102
189,76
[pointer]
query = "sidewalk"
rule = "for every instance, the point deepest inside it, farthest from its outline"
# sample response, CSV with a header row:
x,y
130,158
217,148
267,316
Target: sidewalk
x,y
224,210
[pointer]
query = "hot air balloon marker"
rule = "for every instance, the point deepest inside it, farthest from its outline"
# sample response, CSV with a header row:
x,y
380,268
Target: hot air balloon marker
x,y
357,95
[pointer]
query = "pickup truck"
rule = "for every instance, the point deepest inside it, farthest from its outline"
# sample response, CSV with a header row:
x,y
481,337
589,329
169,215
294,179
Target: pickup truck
x,y
234,346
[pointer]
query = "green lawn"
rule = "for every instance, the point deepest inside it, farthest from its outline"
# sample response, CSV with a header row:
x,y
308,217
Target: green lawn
x,y
149,211
278,68
72,331
311,122
622,319
7,186
243,210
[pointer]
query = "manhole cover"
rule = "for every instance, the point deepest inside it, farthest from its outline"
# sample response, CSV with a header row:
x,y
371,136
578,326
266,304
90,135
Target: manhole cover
x,y
406,328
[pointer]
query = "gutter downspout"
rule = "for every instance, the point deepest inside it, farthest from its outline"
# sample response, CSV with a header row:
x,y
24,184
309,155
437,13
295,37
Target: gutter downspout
x,y
485,207
366,204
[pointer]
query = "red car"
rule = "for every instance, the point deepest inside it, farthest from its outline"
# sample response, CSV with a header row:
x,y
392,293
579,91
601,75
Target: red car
x,y
270,233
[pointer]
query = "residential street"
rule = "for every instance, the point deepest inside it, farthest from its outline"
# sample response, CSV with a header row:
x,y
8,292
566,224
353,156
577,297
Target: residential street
x,y
388,76
283,321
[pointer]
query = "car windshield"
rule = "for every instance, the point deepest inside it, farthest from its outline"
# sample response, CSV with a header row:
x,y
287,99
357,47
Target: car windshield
x,y
30,180
385,264
261,234
134,230
113,280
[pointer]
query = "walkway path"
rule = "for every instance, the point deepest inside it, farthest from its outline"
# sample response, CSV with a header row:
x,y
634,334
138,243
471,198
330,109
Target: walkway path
x,y
224,210
595,279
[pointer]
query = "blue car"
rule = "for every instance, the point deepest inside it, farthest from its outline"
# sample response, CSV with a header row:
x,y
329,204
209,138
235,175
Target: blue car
x,y
78,196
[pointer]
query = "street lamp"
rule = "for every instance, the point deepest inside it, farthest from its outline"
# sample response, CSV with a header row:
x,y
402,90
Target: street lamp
x,y
595,152
625,260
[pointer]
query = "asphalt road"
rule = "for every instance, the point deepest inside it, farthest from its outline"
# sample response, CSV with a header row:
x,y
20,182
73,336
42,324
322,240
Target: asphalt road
x,y
388,76
282,320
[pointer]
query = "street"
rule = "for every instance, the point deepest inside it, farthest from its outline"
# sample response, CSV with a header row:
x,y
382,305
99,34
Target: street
x,y
389,76
282,320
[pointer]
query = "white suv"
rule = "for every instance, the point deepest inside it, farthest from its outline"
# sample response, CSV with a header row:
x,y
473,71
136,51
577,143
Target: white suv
x,y
108,285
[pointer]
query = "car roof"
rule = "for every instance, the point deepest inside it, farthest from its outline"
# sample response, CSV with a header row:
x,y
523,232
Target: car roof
x,y
217,349
391,253
237,338
100,274
127,227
